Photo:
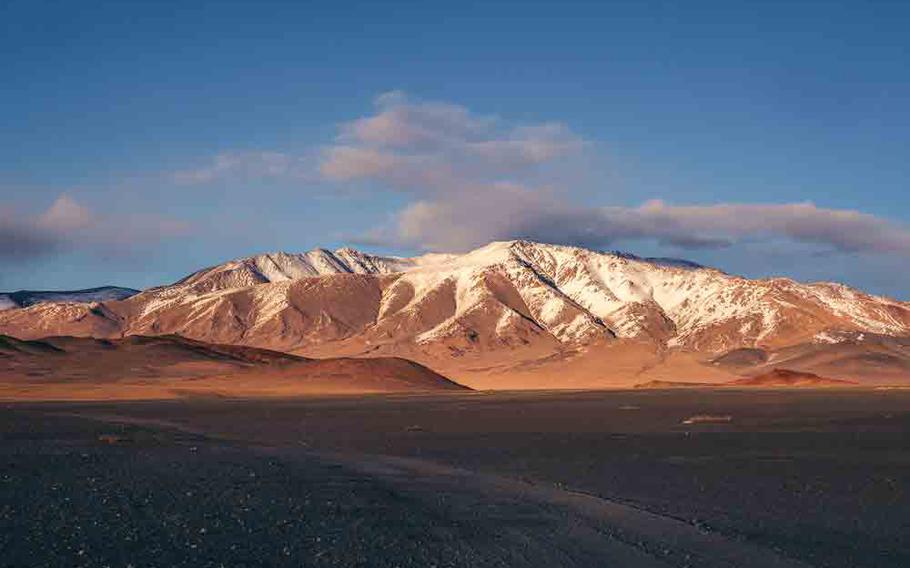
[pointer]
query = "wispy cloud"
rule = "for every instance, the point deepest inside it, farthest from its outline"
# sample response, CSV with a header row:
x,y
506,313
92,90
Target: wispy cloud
x,y
65,215
68,225
515,212
842,230
421,147
246,165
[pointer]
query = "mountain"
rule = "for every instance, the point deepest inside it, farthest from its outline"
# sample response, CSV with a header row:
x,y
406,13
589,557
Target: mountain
x,y
776,378
509,314
866,357
25,298
788,378
169,366
285,267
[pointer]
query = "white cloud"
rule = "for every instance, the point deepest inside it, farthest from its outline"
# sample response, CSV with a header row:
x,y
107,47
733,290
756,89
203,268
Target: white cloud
x,y
65,215
402,172
421,147
528,145
343,163
402,123
475,178
434,147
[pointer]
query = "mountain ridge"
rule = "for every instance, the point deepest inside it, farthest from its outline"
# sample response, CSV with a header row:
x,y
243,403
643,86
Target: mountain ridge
x,y
506,305
25,298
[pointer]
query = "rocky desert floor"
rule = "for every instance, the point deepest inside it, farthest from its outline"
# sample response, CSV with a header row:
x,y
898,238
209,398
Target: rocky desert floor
x,y
668,478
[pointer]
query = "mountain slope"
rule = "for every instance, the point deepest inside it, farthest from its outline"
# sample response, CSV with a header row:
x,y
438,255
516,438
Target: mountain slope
x,y
283,267
788,378
508,307
518,292
857,356
25,298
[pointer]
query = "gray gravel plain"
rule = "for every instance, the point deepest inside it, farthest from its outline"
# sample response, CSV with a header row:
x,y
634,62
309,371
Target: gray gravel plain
x,y
809,478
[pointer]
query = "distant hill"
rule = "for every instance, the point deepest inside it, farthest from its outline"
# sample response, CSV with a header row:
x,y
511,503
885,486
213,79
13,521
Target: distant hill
x,y
25,298
788,378
675,385
776,378
139,367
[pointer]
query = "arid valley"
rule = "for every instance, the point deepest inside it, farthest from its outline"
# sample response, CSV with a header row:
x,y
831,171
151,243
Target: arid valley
x,y
496,284
272,410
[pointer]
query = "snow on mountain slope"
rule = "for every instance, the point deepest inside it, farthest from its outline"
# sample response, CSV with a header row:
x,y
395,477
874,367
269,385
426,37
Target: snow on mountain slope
x,y
281,267
494,292
25,298
47,319
506,295
486,298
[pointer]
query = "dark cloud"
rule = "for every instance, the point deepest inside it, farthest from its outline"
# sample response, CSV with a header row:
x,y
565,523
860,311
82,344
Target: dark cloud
x,y
511,211
66,225
23,241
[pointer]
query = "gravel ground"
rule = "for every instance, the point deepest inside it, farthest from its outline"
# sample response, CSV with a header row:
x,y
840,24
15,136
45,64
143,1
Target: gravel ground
x,y
79,493
817,479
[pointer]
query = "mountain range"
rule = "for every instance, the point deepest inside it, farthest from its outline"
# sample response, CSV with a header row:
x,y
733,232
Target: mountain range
x,y
513,314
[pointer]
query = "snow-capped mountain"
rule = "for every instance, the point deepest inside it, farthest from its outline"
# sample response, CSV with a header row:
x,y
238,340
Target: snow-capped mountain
x,y
513,301
567,293
25,298
283,267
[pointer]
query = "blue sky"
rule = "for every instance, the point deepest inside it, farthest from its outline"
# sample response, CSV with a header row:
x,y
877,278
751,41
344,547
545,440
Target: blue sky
x,y
142,141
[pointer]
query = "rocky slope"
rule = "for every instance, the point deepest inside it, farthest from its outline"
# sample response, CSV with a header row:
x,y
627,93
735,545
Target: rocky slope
x,y
506,306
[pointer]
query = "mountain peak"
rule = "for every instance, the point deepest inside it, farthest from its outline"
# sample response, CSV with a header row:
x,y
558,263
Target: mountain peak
x,y
350,251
